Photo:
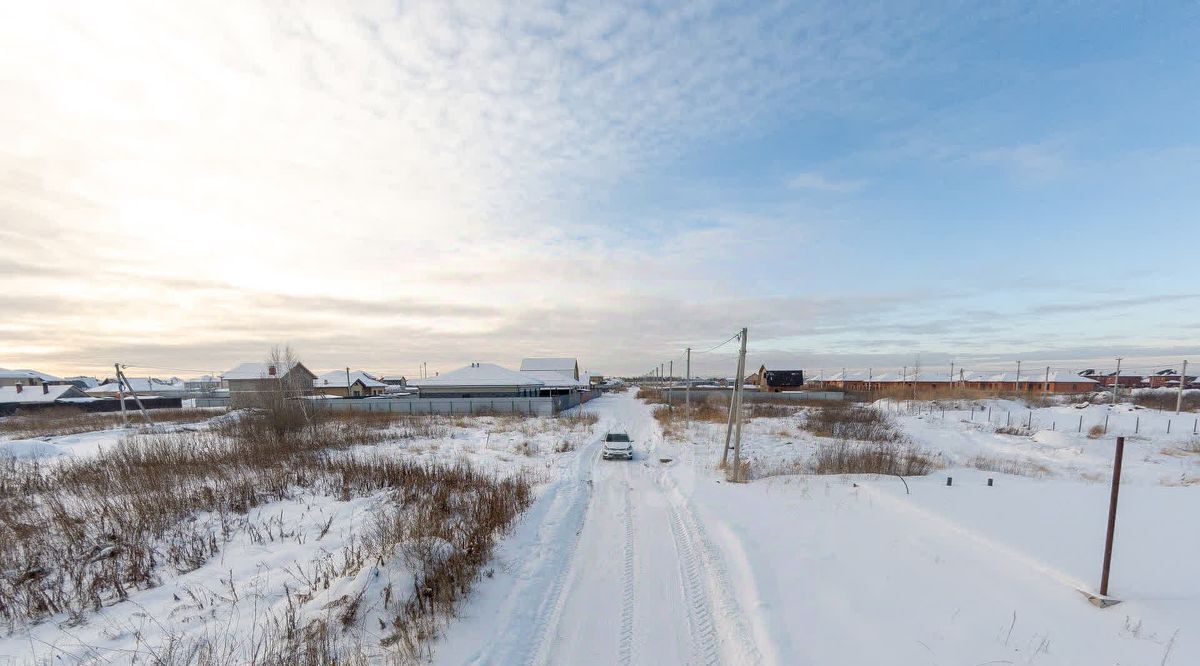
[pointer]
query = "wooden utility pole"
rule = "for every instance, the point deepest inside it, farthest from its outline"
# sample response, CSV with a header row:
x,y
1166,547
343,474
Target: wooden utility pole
x,y
1046,386
1182,381
347,381
687,393
1116,381
121,395
1112,515
121,379
734,407
1018,377
737,438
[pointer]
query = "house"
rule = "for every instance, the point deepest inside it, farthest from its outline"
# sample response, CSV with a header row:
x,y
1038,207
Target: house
x,y
775,381
19,395
565,366
1170,378
343,384
81,382
152,386
1107,379
394,380
249,382
756,377
202,385
24,377
479,380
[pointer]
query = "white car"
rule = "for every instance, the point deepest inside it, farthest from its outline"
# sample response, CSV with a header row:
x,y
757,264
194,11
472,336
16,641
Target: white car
x,y
617,445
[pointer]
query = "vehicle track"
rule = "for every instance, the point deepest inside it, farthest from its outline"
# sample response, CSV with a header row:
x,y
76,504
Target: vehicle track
x,y
629,588
706,647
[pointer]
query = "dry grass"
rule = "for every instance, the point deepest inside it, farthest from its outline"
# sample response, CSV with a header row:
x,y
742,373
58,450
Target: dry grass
x,y
1019,431
1095,432
879,457
1012,466
82,533
851,422
1165,401
66,420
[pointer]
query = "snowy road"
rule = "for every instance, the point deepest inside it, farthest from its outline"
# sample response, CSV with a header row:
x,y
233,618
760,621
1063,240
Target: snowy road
x,y
616,570
646,562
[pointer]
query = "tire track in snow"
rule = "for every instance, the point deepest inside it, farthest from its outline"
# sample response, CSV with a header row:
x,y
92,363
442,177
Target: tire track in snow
x,y
705,642
625,652
727,619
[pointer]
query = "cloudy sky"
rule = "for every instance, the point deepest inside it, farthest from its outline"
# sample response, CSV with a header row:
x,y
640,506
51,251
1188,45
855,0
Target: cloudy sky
x,y
385,183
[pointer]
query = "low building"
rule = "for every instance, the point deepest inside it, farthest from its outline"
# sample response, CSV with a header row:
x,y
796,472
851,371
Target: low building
x,y
150,386
479,380
395,380
20,395
342,384
776,381
81,382
248,383
202,385
565,366
24,377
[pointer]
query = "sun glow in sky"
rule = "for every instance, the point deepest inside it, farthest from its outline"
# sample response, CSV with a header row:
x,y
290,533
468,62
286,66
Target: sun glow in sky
x,y
383,183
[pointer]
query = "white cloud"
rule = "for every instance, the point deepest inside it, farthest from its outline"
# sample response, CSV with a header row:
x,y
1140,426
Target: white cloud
x,y
811,180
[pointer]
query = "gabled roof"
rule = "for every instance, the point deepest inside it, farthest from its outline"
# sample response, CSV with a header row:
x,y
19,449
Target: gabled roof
x,y
259,371
337,379
139,385
26,373
554,379
568,365
479,374
36,394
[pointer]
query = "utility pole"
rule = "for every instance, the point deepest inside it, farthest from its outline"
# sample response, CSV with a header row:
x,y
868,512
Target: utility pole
x,y
671,385
1116,381
1018,377
687,393
121,395
1046,386
141,407
1112,515
347,381
1182,381
951,374
737,438
733,402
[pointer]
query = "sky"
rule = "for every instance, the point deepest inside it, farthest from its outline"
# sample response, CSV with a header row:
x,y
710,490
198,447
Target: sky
x,y
382,184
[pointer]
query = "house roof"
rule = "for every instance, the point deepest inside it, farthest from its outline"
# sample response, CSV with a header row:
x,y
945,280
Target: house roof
x,y
139,385
479,374
554,364
337,379
89,382
554,379
36,394
256,371
26,373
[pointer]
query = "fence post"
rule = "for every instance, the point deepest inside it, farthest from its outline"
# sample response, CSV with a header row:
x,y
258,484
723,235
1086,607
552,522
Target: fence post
x,y
1137,424
1081,423
1112,515
1168,426
1106,424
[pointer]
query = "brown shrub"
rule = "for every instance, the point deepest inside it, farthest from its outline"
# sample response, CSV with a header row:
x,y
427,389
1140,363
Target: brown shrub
x,y
66,420
1095,432
845,457
845,421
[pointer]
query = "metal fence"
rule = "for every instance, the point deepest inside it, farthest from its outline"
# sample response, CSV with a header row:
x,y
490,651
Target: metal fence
x,y
466,406
676,393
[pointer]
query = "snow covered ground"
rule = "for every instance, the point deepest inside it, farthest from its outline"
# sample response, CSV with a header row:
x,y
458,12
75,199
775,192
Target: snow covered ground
x,y
660,561
663,562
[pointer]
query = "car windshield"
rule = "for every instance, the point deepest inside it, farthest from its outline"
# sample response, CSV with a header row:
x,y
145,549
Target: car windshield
x,y
617,437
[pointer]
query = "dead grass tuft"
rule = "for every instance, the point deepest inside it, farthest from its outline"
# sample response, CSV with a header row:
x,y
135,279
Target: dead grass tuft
x,y
851,422
1012,466
844,457
66,420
